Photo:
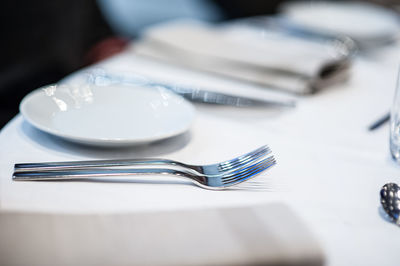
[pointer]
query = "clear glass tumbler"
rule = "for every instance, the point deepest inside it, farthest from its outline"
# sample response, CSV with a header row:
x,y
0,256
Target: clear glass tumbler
x,y
395,123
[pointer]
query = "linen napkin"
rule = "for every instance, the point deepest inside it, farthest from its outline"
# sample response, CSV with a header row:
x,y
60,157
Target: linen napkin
x,y
269,58
259,235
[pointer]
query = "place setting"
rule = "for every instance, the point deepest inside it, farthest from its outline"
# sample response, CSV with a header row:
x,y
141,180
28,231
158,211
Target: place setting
x,y
130,102
112,113
130,105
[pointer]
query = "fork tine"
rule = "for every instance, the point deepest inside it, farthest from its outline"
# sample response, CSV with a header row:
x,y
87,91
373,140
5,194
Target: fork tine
x,y
250,175
231,175
244,159
251,172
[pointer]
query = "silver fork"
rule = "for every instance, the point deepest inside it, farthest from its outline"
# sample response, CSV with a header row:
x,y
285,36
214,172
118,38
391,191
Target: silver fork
x,y
209,170
214,182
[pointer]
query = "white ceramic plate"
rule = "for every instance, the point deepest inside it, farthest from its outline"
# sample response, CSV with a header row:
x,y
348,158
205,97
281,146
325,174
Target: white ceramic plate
x,y
107,115
360,21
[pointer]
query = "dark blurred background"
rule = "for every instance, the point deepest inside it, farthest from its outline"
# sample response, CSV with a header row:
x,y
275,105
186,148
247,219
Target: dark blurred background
x,y
43,41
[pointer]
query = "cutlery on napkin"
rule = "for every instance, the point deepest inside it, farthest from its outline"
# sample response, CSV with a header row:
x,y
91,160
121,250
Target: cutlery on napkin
x,y
247,54
259,235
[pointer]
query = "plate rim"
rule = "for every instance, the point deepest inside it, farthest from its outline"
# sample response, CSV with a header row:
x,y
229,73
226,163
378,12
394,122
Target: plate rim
x,y
289,8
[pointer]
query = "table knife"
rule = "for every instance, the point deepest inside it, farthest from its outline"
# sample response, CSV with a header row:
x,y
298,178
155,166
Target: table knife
x,y
194,94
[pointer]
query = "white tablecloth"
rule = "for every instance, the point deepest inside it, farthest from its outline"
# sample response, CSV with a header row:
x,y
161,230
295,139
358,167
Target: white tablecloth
x,y
330,168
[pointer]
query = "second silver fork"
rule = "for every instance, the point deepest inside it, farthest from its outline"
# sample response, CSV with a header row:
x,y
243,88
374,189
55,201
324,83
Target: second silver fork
x,y
208,170
215,182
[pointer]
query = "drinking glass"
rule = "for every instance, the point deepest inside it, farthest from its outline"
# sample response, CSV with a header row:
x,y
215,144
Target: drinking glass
x,y
395,123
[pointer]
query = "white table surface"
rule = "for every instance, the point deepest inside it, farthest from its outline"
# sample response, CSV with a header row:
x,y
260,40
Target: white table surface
x,y
330,168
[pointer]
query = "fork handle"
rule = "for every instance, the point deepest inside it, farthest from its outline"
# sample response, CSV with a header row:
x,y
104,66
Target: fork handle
x,y
96,173
60,166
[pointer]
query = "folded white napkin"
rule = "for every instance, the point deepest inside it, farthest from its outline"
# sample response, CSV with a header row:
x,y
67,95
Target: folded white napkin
x,y
241,52
259,235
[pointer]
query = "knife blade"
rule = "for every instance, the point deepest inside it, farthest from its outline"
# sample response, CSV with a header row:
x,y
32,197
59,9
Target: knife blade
x,y
195,94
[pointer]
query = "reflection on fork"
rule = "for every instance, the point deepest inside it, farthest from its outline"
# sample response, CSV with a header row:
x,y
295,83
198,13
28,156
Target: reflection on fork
x,y
211,169
213,176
